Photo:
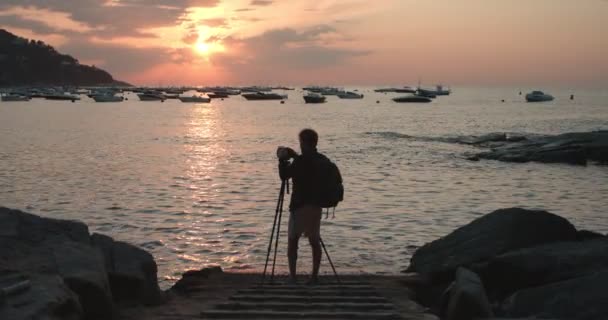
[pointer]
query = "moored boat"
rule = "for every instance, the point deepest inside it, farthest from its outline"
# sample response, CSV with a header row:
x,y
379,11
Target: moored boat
x,y
61,96
314,98
413,99
12,97
151,96
217,95
195,99
350,95
107,98
538,96
264,96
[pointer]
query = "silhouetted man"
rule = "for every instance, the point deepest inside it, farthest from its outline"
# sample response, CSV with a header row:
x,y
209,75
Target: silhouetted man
x,y
305,211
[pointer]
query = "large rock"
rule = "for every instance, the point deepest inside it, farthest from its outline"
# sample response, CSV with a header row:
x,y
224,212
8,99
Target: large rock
x,y
36,245
467,298
544,264
132,271
489,236
576,299
42,297
570,148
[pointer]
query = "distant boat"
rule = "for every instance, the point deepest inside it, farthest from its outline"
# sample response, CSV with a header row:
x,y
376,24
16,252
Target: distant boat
x,y
195,99
255,89
331,91
426,93
151,96
439,91
405,90
107,98
11,97
538,96
171,96
264,96
218,95
413,99
314,98
350,95
61,96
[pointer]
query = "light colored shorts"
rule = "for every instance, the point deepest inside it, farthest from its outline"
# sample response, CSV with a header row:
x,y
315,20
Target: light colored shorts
x,y
305,220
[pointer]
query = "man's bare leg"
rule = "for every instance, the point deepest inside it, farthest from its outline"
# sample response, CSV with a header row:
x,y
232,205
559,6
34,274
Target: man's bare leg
x,y
292,256
315,244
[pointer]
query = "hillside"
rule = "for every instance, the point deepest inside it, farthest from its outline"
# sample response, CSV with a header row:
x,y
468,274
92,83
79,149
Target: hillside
x,y
31,62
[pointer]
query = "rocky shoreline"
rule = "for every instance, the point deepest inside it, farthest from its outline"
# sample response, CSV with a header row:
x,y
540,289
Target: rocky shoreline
x,y
578,148
516,263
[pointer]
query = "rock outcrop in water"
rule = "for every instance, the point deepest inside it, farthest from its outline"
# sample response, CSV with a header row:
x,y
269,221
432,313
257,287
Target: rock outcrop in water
x,y
531,263
571,148
54,269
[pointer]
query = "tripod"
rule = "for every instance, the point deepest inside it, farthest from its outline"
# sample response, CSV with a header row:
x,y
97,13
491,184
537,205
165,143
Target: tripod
x,y
277,224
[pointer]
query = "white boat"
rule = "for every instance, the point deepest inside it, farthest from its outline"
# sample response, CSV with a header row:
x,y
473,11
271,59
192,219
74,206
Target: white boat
x,y
538,96
195,99
107,98
350,95
14,97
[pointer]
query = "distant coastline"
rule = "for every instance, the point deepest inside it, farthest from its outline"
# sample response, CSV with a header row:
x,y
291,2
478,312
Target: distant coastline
x,y
26,62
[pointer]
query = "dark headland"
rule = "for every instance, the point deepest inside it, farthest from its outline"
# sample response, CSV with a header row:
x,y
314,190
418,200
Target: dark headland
x,y
511,263
26,62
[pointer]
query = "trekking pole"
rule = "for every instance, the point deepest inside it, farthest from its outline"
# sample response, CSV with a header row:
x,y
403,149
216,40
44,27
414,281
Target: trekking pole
x,y
279,203
329,259
276,242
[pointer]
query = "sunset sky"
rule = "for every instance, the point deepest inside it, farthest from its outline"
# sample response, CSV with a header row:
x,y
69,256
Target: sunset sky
x,y
298,42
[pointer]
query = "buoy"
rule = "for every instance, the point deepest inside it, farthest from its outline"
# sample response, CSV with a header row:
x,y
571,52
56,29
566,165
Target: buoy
x,y
503,100
571,97
377,101
222,99
520,93
282,102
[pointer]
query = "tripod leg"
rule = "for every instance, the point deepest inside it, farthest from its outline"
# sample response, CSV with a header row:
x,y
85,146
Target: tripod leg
x,y
329,259
276,243
279,203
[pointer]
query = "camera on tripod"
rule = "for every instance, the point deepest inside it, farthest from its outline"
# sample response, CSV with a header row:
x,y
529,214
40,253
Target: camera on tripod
x,y
284,153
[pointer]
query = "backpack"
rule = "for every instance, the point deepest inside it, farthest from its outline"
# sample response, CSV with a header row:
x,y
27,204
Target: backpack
x,y
331,190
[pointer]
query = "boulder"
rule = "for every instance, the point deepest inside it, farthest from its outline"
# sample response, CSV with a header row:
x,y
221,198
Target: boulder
x,y
584,235
44,297
575,299
132,271
193,278
28,227
36,245
486,237
467,298
544,264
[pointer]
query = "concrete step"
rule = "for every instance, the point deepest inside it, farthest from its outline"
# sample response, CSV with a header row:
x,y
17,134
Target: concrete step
x,y
320,286
311,292
299,307
308,298
255,314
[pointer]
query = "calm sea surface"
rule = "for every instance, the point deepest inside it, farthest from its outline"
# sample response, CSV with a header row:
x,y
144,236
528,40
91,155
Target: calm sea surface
x,y
197,185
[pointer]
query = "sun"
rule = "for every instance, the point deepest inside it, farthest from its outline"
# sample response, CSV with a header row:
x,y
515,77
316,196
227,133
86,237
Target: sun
x,y
202,48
